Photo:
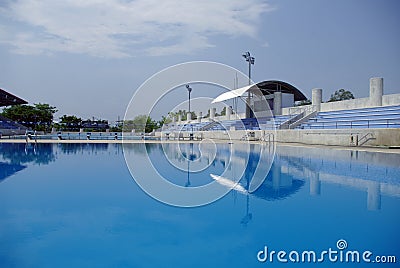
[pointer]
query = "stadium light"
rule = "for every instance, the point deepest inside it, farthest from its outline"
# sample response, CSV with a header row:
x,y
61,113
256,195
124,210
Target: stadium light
x,y
189,89
250,60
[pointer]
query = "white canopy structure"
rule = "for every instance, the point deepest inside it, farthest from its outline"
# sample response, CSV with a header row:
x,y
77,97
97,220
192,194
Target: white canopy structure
x,y
232,94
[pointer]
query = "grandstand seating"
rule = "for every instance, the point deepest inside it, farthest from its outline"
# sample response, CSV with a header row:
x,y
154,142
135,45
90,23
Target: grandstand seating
x,y
6,123
377,117
238,124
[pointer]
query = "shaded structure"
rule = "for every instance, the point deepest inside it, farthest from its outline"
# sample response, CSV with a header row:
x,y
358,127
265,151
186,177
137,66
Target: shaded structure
x,y
271,86
8,99
277,94
8,126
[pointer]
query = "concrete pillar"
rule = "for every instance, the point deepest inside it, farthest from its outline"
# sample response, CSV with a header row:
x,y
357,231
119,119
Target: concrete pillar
x,y
199,117
81,130
179,118
317,98
375,91
277,103
189,116
212,113
228,112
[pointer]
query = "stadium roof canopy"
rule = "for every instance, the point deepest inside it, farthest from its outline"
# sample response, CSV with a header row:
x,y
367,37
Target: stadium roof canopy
x,y
271,86
266,87
7,99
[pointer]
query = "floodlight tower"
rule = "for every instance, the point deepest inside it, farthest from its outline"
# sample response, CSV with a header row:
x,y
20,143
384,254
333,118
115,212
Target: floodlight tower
x,y
189,89
250,60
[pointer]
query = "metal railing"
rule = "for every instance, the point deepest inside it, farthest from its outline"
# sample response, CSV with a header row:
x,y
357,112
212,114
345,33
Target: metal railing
x,y
296,114
268,137
354,124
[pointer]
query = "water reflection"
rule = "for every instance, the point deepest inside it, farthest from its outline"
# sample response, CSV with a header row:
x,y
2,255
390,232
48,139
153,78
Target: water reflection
x,y
80,148
15,156
373,172
8,169
293,168
21,153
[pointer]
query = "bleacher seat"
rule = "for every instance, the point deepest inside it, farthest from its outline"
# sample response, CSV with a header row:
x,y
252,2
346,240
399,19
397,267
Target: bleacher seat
x,y
264,123
377,117
6,123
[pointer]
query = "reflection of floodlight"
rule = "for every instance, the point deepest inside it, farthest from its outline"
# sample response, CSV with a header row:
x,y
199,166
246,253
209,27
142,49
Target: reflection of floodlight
x,y
191,157
247,218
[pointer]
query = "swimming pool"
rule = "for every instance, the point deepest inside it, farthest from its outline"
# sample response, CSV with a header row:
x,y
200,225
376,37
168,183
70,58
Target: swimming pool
x,y
76,205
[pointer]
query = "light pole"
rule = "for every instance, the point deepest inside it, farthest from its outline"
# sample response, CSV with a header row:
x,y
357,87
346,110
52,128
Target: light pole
x,y
189,89
250,60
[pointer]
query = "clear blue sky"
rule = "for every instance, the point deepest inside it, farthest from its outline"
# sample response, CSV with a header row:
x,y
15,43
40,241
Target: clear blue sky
x,y
88,57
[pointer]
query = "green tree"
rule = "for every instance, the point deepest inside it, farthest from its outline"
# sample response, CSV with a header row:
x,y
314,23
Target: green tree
x,y
208,114
70,122
141,123
303,102
150,125
38,117
127,126
164,120
223,111
183,114
340,95
45,112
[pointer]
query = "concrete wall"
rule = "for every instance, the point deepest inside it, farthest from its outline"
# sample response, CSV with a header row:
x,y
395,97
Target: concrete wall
x,y
340,137
387,100
345,105
392,99
337,105
287,100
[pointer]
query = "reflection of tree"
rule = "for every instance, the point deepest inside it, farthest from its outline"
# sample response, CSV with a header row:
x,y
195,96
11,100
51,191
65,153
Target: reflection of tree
x,y
141,148
20,153
74,148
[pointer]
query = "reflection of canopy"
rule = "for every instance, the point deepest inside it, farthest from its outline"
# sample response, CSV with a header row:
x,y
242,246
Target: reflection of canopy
x,y
267,191
266,87
7,169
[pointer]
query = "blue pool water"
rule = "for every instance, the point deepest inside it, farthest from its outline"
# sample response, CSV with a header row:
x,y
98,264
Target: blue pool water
x,y
76,205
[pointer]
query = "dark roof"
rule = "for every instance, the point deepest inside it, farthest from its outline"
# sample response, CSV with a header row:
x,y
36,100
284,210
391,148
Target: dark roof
x,y
271,86
7,99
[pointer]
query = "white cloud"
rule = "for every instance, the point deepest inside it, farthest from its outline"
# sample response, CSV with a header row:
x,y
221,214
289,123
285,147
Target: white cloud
x,y
117,28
